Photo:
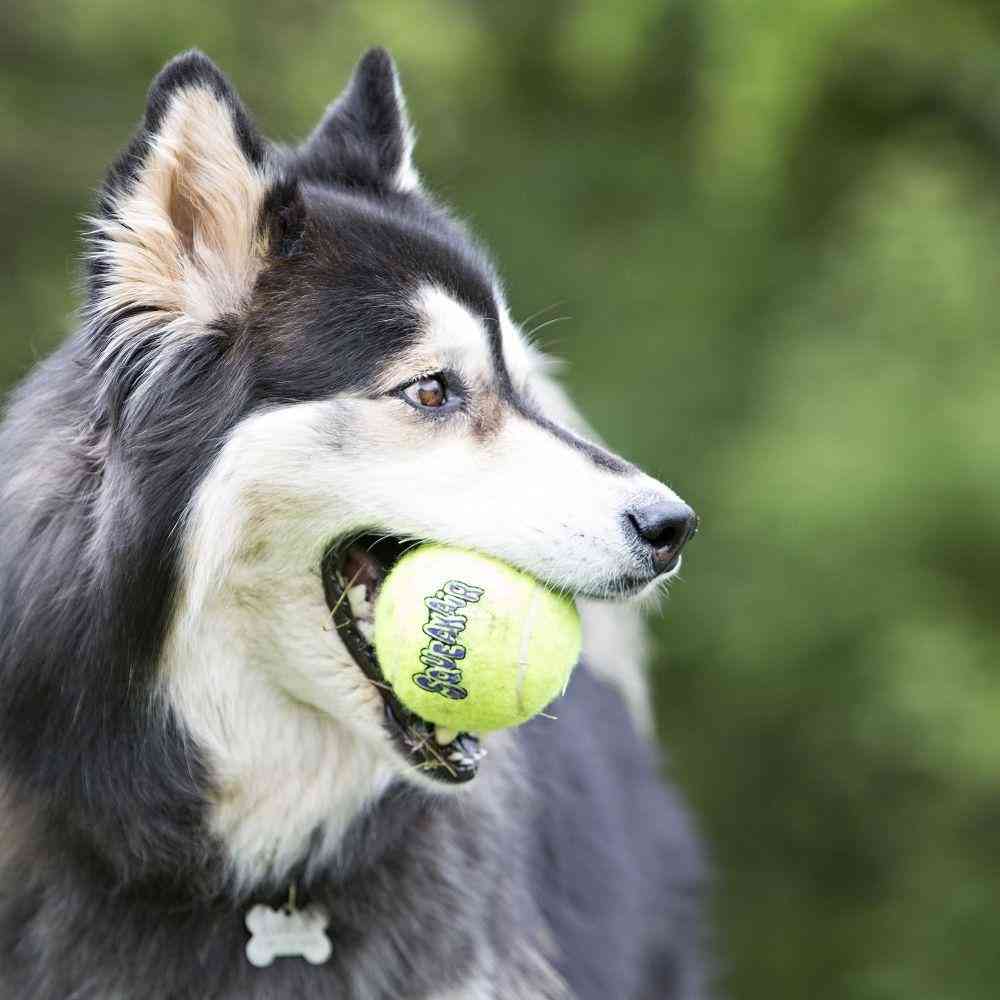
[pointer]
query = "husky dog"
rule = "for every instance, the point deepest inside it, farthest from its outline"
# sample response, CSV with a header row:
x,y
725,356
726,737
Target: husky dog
x,y
291,364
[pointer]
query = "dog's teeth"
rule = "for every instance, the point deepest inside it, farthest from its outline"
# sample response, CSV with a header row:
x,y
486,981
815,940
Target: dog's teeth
x,y
457,757
357,598
366,628
443,735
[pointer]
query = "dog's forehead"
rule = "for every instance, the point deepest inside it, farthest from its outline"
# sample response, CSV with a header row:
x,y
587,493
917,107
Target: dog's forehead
x,y
400,250
450,326
374,291
450,333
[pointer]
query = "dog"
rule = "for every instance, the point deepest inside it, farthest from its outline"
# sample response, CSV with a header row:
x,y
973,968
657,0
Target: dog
x,y
292,364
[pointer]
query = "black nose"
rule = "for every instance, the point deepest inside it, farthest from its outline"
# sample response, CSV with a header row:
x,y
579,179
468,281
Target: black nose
x,y
666,526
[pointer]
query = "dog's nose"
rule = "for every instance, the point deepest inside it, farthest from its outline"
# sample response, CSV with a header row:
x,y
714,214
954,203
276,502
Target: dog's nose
x,y
665,526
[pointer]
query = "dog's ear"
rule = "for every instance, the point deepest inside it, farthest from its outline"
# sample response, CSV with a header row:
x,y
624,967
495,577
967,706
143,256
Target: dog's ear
x,y
365,139
188,215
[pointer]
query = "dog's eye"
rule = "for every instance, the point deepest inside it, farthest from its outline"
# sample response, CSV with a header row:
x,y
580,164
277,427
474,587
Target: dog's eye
x,y
428,393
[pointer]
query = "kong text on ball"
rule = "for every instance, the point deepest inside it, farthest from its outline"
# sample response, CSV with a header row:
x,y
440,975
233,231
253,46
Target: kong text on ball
x,y
470,643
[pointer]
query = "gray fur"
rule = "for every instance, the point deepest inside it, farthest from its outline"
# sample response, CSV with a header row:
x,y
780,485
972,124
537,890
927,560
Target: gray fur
x,y
578,878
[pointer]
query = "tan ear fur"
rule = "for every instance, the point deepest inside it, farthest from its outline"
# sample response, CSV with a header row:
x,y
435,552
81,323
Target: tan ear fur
x,y
183,243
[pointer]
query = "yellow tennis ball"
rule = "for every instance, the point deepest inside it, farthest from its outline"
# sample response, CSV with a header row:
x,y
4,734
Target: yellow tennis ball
x,y
470,643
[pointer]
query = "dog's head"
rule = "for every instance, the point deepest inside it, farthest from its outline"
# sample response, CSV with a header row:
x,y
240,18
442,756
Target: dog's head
x,y
327,359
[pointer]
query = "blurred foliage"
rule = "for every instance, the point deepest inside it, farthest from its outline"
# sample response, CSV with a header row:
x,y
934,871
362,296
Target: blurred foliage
x,y
774,228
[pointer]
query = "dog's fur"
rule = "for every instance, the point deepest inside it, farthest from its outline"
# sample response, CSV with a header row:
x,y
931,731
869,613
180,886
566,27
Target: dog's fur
x,y
182,734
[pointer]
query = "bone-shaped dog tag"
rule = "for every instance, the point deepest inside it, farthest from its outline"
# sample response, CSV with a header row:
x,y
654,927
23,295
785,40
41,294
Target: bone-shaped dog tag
x,y
287,933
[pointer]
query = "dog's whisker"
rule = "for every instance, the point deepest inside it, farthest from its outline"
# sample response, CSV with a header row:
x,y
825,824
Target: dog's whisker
x,y
343,592
533,332
377,541
542,311
415,544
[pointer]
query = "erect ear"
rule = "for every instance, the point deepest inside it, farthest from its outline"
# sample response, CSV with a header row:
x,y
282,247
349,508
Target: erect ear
x,y
188,214
364,139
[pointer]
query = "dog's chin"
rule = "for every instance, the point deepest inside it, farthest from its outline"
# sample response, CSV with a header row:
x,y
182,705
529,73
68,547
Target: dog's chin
x,y
641,588
353,570
648,593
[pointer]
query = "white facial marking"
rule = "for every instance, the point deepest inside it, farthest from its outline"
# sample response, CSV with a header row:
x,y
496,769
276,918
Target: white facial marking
x,y
451,330
451,338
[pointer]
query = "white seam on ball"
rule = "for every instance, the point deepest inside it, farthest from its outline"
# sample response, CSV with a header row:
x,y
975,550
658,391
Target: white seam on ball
x,y
526,633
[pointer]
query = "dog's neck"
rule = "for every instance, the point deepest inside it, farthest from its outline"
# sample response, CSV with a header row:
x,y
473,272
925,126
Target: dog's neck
x,y
289,728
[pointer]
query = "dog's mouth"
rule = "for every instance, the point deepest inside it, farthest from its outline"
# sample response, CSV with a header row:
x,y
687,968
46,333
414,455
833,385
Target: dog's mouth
x,y
353,572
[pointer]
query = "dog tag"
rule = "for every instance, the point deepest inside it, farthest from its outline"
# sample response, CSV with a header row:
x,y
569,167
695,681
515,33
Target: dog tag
x,y
287,933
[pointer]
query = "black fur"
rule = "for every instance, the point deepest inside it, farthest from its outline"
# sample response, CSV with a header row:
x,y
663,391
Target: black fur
x,y
110,883
631,927
318,315
361,141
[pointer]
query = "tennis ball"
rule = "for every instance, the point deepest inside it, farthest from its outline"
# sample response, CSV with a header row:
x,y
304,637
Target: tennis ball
x,y
470,643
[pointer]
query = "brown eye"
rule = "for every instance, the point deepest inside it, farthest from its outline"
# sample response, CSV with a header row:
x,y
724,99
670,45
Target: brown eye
x,y
428,392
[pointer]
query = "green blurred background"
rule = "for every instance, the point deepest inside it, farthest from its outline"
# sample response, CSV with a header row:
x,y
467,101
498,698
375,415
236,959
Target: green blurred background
x,y
774,228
